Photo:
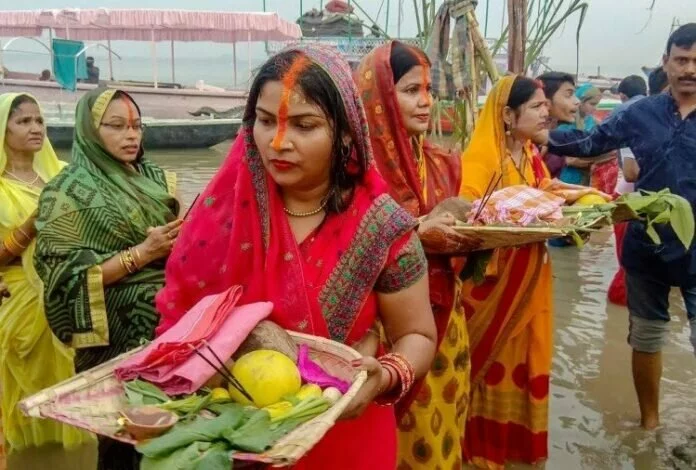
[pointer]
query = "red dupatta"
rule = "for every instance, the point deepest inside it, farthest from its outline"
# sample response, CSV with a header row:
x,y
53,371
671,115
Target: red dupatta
x,y
395,154
238,233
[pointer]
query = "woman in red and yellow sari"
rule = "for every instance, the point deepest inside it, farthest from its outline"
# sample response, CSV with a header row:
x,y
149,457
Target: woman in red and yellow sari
x,y
298,215
394,82
509,314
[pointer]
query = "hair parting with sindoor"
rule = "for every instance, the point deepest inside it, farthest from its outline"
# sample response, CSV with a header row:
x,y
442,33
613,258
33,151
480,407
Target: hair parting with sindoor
x,y
318,88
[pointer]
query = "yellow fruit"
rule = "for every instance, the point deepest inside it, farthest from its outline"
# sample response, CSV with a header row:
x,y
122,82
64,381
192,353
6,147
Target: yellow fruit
x,y
267,376
278,409
219,394
309,391
590,200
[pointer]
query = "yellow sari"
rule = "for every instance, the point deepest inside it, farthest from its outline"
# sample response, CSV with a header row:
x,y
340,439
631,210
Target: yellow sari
x,y
31,357
508,316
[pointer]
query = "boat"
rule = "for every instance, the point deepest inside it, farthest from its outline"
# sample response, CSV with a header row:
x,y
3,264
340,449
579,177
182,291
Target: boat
x,y
162,133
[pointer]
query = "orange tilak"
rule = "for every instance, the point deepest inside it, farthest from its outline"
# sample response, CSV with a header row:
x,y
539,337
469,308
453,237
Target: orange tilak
x,y
131,112
289,81
426,79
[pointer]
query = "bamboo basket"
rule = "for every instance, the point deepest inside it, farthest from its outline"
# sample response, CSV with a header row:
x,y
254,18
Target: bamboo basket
x,y
92,401
497,236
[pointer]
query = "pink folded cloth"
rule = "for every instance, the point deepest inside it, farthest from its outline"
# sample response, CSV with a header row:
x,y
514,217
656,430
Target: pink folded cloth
x,y
214,322
313,373
518,205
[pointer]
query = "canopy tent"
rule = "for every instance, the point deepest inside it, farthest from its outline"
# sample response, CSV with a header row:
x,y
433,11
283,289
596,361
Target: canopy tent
x,y
151,25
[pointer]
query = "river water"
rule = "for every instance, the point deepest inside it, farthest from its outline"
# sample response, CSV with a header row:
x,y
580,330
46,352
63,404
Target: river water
x,y
594,412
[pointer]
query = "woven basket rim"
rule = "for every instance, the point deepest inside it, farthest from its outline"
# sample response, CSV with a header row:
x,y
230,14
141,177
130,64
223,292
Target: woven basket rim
x,y
286,451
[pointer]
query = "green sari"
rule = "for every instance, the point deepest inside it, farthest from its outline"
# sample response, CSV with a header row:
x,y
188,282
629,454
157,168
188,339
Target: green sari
x,y
92,210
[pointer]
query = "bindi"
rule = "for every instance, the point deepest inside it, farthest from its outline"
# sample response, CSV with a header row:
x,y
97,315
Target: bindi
x,y
289,81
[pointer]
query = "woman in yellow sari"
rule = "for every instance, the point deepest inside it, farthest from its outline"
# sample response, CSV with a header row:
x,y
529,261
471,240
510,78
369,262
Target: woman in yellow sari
x,y
509,314
31,358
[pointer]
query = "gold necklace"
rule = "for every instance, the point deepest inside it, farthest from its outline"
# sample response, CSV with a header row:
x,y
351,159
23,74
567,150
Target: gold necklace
x,y
30,183
306,214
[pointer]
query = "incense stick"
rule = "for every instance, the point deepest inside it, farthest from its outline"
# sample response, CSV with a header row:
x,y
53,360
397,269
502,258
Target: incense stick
x,y
188,211
223,371
486,195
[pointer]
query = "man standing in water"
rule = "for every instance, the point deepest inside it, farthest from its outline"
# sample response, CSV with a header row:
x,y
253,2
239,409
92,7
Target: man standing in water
x,y
661,132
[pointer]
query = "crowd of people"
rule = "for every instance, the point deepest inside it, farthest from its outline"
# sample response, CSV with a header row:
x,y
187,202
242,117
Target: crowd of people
x,y
333,205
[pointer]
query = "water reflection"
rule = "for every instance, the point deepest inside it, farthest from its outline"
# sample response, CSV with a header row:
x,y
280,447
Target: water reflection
x,y
593,411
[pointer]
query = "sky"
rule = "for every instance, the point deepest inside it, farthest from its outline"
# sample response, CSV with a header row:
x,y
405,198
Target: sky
x,y
619,36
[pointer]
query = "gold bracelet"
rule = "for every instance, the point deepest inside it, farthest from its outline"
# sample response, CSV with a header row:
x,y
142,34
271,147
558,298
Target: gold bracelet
x,y
122,261
135,254
126,261
12,246
14,239
130,261
10,249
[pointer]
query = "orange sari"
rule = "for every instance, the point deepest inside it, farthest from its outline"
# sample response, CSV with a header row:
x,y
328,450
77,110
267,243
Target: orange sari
x,y
508,316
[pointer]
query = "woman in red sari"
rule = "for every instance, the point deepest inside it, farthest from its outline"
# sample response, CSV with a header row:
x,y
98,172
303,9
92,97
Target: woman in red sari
x,y
298,215
394,82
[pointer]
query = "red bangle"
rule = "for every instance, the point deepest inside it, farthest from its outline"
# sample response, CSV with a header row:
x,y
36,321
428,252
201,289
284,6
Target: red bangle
x,y
405,374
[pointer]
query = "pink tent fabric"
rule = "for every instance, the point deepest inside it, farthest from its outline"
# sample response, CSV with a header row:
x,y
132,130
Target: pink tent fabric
x,y
19,23
145,25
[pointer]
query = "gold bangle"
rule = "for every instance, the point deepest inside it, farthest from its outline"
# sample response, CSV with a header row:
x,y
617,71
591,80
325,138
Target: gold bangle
x,y
126,262
135,254
122,261
14,239
10,248
129,261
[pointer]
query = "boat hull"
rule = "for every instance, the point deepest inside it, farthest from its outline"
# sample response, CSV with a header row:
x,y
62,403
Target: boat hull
x,y
163,135
158,103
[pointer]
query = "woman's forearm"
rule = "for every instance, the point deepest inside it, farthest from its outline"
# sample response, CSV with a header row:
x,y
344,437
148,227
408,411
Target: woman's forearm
x,y
418,349
5,256
113,270
116,268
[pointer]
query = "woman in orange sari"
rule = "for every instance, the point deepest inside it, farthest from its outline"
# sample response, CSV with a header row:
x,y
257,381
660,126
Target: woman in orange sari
x,y
394,82
509,314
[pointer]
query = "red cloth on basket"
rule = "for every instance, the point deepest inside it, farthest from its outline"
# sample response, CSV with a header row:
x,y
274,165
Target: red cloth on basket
x,y
214,322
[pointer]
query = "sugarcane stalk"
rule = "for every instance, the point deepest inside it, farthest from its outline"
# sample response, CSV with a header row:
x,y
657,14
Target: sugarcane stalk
x,y
481,47
517,13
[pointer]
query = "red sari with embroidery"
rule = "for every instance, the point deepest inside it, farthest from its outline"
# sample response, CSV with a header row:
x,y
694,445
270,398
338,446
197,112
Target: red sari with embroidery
x,y
326,285
420,175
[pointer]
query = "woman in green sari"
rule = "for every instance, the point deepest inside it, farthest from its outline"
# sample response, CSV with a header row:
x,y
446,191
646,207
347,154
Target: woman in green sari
x,y
106,226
